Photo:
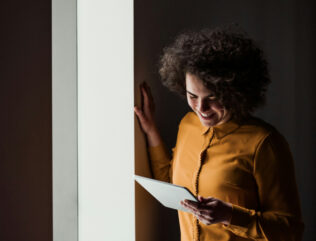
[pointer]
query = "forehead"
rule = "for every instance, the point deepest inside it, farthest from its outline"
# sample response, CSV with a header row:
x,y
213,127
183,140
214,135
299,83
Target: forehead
x,y
196,86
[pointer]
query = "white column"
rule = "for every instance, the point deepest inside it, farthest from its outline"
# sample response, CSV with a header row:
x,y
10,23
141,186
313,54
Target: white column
x,y
64,121
105,120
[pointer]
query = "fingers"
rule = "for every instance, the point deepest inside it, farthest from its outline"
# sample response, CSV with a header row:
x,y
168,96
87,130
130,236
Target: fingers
x,y
139,114
210,210
150,96
206,199
145,113
148,103
213,203
145,97
184,204
190,204
205,220
145,110
202,213
196,207
209,201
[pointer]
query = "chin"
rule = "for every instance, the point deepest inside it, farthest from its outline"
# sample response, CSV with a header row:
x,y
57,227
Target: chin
x,y
208,123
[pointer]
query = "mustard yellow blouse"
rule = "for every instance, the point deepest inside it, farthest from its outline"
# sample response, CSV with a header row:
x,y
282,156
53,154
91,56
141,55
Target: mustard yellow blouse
x,y
248,165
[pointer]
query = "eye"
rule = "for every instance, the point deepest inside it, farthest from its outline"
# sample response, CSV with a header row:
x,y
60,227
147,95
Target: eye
x,y
212,98
192,97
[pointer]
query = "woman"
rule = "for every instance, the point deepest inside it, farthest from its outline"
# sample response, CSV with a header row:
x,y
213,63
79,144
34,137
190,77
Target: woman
x,y
239,167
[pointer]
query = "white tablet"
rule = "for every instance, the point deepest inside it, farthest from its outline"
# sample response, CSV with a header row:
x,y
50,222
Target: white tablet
x,y
166,193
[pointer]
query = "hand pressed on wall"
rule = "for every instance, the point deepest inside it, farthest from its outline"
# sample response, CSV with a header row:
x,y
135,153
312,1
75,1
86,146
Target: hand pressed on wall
x,y
209,210
145,115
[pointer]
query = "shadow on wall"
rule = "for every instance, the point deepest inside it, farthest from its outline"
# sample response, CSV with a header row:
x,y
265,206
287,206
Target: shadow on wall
x,y
153,221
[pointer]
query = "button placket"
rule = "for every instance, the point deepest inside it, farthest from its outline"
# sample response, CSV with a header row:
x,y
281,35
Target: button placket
x,y
206,144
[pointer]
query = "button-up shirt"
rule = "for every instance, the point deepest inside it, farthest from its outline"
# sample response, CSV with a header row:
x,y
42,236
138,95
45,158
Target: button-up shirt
x,y
248,165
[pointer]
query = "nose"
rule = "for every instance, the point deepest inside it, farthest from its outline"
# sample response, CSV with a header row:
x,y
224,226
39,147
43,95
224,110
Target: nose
x,y
203,105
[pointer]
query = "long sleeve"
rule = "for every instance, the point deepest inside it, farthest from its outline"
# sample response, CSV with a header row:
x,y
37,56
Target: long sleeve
x,y
160,159
160,162
278,217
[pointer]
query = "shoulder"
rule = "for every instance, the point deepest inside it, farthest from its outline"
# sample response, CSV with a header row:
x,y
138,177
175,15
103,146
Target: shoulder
x,y
257,128
272,150
191,124
259,132
190,120
252,133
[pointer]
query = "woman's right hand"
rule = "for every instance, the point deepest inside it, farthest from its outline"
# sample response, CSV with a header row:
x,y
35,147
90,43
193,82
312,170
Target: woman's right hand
x,y
145,116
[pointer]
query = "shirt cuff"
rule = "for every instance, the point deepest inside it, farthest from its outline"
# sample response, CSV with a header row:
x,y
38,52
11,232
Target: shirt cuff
x,y
243,222
241,216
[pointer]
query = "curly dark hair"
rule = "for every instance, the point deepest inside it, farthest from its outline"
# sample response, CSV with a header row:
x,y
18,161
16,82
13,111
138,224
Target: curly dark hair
x,y
227,61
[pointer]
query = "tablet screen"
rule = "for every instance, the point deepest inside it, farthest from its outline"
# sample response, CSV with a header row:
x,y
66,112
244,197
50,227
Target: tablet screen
x,y
167,194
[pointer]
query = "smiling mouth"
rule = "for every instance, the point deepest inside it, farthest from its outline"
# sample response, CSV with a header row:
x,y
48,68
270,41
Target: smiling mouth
x,y
206,116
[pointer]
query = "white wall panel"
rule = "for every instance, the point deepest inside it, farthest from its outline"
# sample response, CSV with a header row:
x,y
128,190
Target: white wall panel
x,y
105,120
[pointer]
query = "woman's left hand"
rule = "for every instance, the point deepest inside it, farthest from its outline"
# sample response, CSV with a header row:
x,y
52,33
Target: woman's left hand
x,y
209,210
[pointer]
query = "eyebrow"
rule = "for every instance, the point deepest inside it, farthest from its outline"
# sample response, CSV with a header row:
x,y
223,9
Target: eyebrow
x,y
191,93
211,95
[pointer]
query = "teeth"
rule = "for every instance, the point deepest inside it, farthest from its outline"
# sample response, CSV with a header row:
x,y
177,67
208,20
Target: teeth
x,y
205,115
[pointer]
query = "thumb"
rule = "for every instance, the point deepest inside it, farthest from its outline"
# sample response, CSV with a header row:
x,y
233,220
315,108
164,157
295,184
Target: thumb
x,y
137,110
207,199
139,113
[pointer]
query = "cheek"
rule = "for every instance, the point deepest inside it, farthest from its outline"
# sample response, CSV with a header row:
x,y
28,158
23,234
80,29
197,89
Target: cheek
x,y
191,103
217,107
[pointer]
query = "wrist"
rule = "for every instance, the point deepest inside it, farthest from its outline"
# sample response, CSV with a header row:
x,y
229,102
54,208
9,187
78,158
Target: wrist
x,y
153,137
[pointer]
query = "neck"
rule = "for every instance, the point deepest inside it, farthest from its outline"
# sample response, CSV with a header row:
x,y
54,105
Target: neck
x,y
226,118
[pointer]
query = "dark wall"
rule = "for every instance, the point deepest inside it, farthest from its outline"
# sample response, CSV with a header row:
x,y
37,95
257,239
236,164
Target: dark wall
x,y
25,122
286,30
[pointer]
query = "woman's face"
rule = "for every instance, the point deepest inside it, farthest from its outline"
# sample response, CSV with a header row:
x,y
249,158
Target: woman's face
x,y
203,102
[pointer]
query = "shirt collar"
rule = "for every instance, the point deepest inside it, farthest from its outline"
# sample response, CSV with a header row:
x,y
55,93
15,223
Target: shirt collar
x,y
221,130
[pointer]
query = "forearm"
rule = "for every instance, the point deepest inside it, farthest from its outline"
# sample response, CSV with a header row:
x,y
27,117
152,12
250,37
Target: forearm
x,y
159,155
154,137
